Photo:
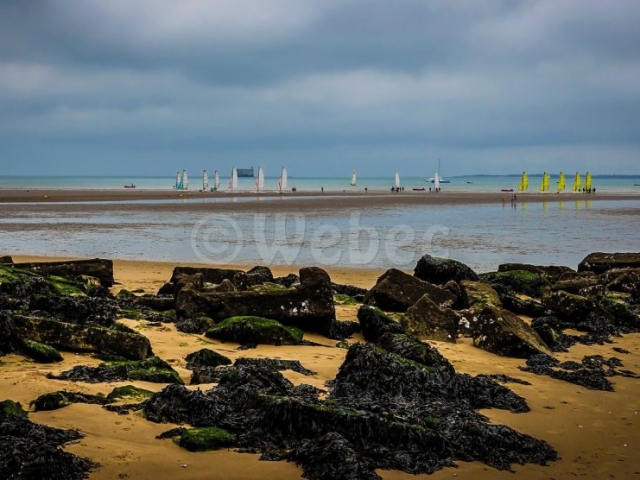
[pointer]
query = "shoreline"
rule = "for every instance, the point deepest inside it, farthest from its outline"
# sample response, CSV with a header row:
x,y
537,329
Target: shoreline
x,y
360,197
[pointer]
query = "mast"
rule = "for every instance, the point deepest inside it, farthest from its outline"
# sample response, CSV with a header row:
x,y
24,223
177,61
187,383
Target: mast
x,y
205,181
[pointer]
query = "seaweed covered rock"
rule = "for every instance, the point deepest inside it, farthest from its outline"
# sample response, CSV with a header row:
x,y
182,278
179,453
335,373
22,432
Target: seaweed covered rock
x,y
152,369
208,275
78,338
129,392
375,323
40,352
198,325
256,276
206,439
428,321
522,282
599,262
206,358
9,407
570,307
442,270
8,341
274,364
6,259
409,347
396,291
504,333
255,331
478,295
50,401
551,272
32,451
350,290
623,281
288,281
98,268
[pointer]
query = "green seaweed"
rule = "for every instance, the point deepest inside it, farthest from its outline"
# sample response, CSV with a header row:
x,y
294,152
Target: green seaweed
x,y
49,402
13,408
206,439
121,327
342,299
131,314
255,329
129,392
152,369
67,288
40,352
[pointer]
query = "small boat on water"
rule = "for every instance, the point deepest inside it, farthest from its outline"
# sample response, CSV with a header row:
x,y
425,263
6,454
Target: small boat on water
x,y
419,189
507,190
130,186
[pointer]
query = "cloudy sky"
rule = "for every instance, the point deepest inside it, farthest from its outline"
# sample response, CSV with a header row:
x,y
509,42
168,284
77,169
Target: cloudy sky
x,y
322,86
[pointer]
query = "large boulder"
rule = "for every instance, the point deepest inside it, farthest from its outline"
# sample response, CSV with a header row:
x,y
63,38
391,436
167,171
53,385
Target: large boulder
x,y
255,331
551,272
599,262
78,338
624,281
308,306
569,307
477,295
396,291
209,275
523,282
428,321
98,268
442,270
256,276
6,259
375,323
504,333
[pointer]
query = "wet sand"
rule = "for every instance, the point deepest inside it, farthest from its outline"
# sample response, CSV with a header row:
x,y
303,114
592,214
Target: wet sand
x,y
597,434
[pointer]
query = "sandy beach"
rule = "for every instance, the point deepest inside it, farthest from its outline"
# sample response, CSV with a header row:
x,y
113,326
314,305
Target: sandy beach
x,y
595,433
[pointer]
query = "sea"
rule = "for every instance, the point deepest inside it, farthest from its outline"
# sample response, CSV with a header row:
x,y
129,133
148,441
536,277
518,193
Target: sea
x,y
383,236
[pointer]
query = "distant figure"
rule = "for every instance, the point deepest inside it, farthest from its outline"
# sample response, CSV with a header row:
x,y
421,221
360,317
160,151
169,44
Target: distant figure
x,y
429,189
594,190
366,189
504,199
321,189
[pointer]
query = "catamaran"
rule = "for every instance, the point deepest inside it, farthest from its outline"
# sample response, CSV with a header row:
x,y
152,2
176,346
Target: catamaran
x,y
433,179
396,181
353,178
260,180
233,181
282,182
546,180
588,182
524,183
216,180
577,183
562,184
205,181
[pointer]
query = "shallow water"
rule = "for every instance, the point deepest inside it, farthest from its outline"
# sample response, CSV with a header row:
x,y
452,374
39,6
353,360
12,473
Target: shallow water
x,y
483,236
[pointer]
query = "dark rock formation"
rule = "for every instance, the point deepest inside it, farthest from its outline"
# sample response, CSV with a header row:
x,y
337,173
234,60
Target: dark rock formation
x,y
442,270
396,291
6,259
255,331
152,369
78,338
599,262
570,307
375,323
521,282
206,358
256,276
288,281
97,268
551,272
349,290
477,296
504,333
428,321
40,352
197,325
208,275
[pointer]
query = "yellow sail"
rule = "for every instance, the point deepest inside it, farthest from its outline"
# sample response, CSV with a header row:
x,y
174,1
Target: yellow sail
x,y
588,182
577,183
544,186
562,184
524,182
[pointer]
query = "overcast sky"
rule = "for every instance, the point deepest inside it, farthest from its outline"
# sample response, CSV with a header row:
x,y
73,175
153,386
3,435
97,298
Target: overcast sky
x,y
323,87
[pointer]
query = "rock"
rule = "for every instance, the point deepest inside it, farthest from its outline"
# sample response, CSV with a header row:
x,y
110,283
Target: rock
x,y
550,272
206,439
166,290
520,306
187,282
569,307
256,276
50,402
479,295
584,284
409,347
8,340
255,331
504,333
428,321
624,281
309,306
208,275
225,287
522,282
129,392
6,259
206,358
599,262
454,289
274,364
159,304
9,407
98,268
39,352
194,325
349,290
375,323
396,291
78,338
442,270
288,281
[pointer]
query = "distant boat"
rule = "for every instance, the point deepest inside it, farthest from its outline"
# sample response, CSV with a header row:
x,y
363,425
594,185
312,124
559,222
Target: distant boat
x,y
178,181
282,182
588,183
470,182
440,179
507,190
353,178
260,180
130,186
577,183
524,183
562,184
421,189
546,180
396,181
185,180
216,180
233,181
205,181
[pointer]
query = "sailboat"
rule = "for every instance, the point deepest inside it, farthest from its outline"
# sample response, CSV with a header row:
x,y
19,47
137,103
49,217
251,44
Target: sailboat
x,y
524,183
442,180
233,181
577,183
436,181
282,182
185,180
562,184
205,181
178,181
588,182
353,178
260,180
546,180
396,181
216,180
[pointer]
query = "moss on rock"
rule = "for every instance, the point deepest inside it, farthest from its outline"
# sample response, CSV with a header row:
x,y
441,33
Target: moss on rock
x,y
206,439
129,392
13,408
50,401
40,352
342,299
255,330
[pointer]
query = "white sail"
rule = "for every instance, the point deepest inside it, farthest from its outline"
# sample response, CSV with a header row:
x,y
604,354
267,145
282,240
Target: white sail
x,y
178,181
282,183
216,180
397,180
260,180
205,181
353,178
185,180
436,181
233,181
